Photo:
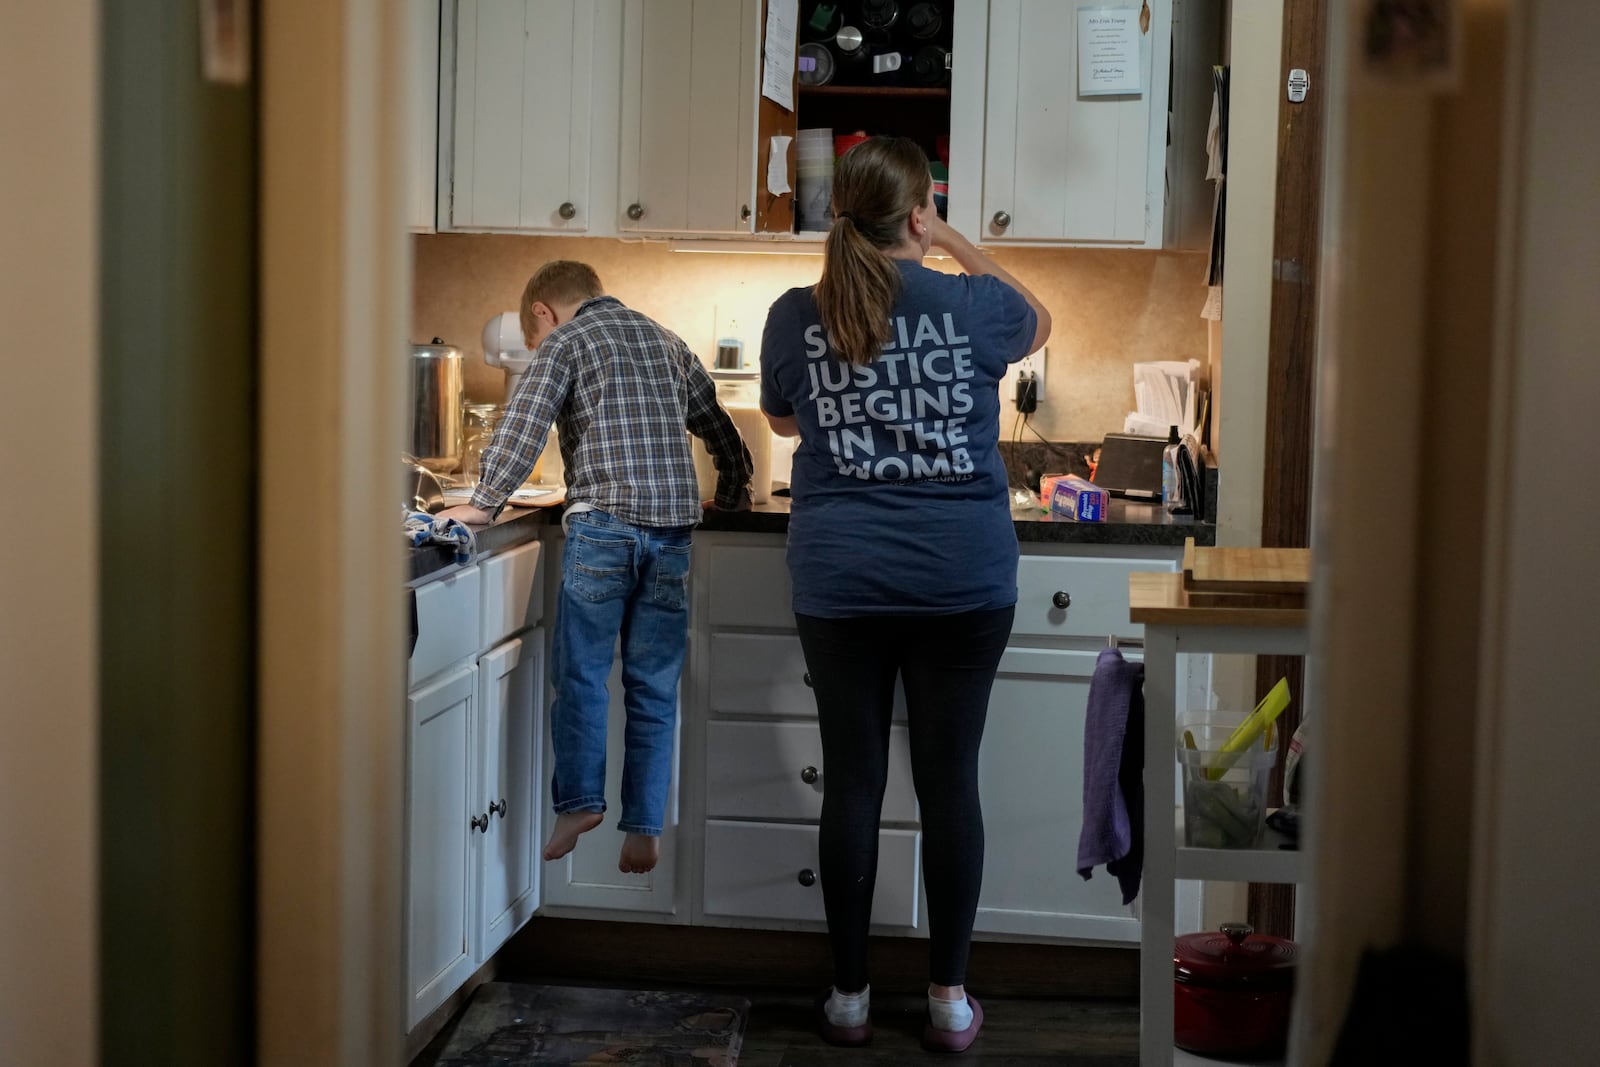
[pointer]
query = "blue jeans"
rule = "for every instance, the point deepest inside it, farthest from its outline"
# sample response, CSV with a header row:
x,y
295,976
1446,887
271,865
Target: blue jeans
x,y
618,580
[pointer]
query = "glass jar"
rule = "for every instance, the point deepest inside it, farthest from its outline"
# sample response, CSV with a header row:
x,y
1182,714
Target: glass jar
x,y
477,430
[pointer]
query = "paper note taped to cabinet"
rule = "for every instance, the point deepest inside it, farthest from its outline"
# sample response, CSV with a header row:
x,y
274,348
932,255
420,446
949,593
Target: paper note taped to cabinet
x,y
1108,52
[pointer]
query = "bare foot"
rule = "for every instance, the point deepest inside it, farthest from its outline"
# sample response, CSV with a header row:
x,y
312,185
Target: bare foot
x,y
569,824
639,854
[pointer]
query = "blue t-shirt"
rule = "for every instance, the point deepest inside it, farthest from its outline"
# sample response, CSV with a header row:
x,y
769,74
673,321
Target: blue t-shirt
x,y
899,493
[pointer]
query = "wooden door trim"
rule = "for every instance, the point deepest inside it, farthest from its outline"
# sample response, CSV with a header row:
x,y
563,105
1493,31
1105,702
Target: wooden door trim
x,y
1291,366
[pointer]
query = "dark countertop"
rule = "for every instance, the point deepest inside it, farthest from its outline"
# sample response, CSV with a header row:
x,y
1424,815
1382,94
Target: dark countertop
x,y
1128,524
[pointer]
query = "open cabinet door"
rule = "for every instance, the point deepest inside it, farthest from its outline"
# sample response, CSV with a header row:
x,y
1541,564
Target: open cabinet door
x,y
774,212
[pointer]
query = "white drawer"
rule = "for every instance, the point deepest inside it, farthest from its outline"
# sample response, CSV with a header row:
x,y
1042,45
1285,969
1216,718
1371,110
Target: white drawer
x,y
765,674
513,596
749,587
759,674
758,770
447,623
759,870
1096,591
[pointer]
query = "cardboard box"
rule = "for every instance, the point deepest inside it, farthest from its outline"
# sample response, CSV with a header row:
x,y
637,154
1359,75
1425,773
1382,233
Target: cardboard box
x,y
1047,489
1078,499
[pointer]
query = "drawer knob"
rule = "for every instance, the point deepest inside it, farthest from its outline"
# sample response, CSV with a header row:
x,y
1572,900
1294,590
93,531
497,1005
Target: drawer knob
x,y
809,776
808,877
500,808
1001,220
1062,600
568,210
806,678
480,823
636,212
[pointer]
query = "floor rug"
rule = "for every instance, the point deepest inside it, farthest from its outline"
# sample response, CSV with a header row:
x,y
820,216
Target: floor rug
x,y
507,1023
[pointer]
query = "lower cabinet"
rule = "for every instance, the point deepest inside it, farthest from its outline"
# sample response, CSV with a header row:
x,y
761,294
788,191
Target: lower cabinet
x,y
756,734
441,840
472,816
1030,773
510,718
474,720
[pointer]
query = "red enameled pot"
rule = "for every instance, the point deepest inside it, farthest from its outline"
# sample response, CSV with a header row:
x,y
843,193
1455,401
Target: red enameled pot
x,y
1232,991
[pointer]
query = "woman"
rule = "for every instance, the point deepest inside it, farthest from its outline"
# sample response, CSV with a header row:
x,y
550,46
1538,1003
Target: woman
x,y
901,550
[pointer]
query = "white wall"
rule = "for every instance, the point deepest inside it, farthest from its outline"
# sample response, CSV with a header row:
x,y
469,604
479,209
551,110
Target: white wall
x,y
1255,54
48,706
1537,924
1371,355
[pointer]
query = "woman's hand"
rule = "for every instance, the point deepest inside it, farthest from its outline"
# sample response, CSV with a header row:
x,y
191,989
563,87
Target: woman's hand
x,y
942,235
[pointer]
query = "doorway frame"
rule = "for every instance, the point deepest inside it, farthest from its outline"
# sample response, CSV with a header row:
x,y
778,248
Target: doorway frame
x,y
335,300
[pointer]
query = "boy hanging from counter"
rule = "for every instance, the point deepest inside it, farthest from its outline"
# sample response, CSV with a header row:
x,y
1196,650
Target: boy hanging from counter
x,y
620,389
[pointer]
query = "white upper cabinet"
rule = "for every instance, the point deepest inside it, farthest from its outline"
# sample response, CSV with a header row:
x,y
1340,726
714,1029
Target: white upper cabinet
x,y
424,111
529,95
1055,167
689,92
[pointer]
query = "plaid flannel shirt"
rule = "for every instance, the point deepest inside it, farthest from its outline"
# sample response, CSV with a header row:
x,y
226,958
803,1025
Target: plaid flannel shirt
x,y
620,390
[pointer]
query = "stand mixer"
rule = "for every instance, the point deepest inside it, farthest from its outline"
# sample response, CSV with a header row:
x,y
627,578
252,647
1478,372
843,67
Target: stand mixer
x,y
504,346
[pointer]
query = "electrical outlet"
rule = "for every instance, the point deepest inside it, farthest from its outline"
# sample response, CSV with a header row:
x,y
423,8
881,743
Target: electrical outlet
x,y
1032,365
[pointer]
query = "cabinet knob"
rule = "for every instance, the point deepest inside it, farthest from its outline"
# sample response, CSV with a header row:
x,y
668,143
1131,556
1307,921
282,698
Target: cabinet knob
x,y
569,210
1062,600
809,776
499,809
807,877
744,213
480,823
636,212
806,678
1001,220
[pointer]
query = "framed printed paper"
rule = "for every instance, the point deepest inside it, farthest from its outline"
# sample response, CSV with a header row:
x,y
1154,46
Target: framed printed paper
x,y
1108,52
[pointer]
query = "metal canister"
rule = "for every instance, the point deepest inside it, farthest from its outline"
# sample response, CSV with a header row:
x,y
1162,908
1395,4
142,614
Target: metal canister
x,y
434,400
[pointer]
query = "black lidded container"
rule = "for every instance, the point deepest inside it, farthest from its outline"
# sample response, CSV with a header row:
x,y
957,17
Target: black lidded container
x,y
924,23
821,19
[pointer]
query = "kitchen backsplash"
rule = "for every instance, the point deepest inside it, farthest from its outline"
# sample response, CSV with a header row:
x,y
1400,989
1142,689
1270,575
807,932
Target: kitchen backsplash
x,y
1111,308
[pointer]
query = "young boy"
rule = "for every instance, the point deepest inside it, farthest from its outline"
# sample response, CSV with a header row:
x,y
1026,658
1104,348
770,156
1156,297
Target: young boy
x,y
621,390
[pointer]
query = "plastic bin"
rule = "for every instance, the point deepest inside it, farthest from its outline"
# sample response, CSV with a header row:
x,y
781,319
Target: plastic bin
x,y
1222,808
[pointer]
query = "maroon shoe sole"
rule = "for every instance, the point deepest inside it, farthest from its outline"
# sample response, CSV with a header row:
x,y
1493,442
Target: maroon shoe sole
x,y
936,1040
843,1036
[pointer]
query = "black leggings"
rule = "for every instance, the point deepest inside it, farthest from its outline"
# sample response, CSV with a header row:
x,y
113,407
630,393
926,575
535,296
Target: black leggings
x,y
947,664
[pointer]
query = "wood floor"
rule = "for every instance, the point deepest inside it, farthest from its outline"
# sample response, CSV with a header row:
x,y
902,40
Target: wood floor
x,y
1017,1033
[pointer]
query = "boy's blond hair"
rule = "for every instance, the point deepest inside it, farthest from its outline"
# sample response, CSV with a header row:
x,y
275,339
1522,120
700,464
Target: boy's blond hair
x,y
561,281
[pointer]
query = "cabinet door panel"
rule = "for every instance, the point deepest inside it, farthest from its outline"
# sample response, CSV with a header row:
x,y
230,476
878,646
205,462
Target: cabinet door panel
x,y
522,114
558,39
1031,777
688,115
441,845
1063,167
424,103
510,706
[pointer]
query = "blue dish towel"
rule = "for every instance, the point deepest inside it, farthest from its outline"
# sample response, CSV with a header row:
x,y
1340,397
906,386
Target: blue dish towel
x,y
424,529
1113,772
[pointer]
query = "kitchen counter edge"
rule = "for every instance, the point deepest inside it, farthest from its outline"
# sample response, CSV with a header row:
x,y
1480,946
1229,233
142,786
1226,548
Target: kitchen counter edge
x,y
1128,524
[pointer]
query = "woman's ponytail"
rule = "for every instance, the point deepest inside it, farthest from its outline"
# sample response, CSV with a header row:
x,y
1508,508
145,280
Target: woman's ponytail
x,y
875,188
